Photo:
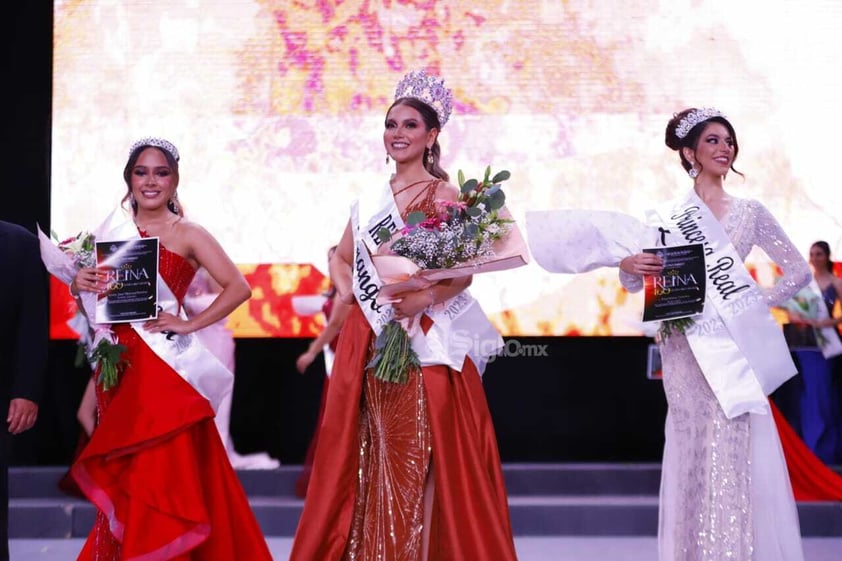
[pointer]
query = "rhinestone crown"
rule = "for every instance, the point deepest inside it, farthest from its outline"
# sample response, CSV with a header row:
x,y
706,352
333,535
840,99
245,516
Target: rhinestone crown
x,y
157,143
430,90
695,117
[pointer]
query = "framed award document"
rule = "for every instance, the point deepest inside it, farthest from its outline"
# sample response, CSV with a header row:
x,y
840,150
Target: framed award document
x,y
679,291
132,280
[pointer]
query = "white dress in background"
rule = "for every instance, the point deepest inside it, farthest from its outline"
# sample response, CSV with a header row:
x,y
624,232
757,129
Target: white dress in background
x,y
219,340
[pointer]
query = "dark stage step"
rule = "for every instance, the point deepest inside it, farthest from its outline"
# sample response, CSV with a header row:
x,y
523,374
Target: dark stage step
x,y
544,500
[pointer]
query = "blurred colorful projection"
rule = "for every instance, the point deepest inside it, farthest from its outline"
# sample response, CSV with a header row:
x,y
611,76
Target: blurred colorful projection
x,y
277,108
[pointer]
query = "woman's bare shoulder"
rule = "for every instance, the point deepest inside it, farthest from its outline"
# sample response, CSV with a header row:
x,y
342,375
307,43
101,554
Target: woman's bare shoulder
x,y
447,191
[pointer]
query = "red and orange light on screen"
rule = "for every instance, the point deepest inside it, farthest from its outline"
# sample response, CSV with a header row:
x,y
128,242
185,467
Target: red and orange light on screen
x,y
269,312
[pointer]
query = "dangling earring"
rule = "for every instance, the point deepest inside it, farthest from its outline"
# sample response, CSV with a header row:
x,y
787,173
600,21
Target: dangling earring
x,y
430,160
387,158
693,172
172,204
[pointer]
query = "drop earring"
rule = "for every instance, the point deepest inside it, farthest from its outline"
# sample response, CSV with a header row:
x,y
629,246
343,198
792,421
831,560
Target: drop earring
x,y
387,158
693,172
172,204
430,160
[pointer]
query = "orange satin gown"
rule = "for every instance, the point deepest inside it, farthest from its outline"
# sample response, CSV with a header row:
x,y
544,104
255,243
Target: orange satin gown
x,y
377,442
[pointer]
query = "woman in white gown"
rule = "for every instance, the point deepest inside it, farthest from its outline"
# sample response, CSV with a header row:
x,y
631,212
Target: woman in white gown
x,y
725,493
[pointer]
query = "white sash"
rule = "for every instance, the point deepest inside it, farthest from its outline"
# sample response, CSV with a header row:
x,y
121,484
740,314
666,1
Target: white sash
x,y
739,346
183,353
460,327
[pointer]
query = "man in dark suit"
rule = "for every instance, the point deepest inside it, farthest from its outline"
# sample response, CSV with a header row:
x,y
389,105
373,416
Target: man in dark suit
x,y
24,334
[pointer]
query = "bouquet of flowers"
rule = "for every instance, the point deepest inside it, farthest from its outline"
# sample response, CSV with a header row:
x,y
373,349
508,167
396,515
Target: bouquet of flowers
x,y
462,237
97,342
461,231
81,248
806,303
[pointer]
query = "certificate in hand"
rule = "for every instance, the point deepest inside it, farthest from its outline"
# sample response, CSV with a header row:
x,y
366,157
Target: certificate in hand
x,y
132,280
679,291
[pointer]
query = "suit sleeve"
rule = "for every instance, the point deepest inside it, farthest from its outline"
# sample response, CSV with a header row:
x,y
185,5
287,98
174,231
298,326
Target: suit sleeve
x,y
32,333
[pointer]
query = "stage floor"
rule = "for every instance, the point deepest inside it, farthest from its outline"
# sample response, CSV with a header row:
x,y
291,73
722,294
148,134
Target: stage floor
x,y
528,549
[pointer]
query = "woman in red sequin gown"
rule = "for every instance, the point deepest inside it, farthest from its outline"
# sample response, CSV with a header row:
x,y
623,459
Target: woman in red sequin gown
x,y
155,467
406,471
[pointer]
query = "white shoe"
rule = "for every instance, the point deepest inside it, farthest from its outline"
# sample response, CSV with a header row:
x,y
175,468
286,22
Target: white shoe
x,y
259,460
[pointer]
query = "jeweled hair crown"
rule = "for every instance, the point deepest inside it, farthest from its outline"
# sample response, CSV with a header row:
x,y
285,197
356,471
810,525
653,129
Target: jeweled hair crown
x,y
693,118
429,89
157,143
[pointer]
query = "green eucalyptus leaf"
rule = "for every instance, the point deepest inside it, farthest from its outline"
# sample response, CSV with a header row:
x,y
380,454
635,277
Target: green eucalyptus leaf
x,y
384,235
469,186
501,176
415,217
497,200
471,229
461,178
473,211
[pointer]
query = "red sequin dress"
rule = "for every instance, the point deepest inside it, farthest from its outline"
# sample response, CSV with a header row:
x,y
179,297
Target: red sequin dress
x,y
378,444
156,468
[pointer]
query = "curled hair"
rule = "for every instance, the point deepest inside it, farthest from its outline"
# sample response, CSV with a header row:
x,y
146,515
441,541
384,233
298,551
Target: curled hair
x,y
691,140
431,121
824,246
127,177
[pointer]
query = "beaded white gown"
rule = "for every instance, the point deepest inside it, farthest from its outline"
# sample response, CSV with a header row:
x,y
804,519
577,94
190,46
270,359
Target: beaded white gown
x,y
725,491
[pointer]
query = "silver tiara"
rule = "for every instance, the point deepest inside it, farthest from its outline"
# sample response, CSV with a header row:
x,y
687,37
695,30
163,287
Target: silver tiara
x,y
157,143
695,117
430,90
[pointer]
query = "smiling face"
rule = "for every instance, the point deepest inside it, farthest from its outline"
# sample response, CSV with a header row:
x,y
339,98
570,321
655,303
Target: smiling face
x,y
715,150
406,135
819,258
153,181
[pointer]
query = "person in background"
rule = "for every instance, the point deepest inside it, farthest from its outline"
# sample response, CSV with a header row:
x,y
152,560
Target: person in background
x,y
335,313
816,344
219,340
24,333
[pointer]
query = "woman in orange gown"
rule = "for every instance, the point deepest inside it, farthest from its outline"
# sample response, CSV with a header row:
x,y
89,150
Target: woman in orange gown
x,y
155,466
407,471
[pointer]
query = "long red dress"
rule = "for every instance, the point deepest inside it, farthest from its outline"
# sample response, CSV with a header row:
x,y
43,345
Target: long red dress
x,y
470,516
156,468
811,479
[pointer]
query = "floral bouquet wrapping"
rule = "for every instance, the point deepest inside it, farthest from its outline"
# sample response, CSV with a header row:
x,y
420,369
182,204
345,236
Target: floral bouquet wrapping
x,y
471,235
97,342
808,304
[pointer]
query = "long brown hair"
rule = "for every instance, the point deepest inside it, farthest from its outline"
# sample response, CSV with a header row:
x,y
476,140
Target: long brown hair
x,y
127,177
431,121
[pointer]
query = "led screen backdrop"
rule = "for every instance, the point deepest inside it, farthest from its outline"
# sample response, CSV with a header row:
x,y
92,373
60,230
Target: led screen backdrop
x,y
277,108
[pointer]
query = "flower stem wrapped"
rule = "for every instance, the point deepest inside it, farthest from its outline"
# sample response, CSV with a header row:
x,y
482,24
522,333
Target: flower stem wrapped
x,y
459,233
108,356
394,357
